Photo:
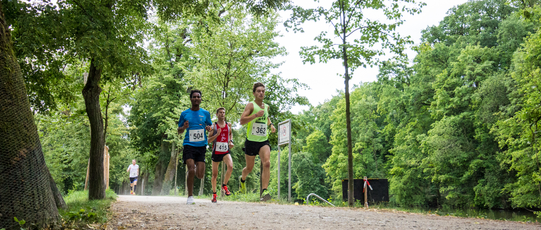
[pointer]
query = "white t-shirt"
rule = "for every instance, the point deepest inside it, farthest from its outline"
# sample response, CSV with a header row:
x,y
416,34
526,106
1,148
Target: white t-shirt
x,y
133,170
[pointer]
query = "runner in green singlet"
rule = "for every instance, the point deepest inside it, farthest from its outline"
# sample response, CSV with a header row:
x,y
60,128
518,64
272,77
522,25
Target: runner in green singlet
x,y
256,116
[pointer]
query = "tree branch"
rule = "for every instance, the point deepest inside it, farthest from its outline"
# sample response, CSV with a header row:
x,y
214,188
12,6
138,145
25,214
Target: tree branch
x,y
362,27
350,16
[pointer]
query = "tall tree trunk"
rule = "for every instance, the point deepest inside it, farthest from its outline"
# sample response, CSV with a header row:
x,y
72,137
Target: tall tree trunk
x,y
141,183
158,178
125,188
351,198
170,172
26,186
58,199
160,168
91,95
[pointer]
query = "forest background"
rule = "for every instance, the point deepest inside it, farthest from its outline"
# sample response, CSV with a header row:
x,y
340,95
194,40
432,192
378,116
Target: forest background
x,y
456,128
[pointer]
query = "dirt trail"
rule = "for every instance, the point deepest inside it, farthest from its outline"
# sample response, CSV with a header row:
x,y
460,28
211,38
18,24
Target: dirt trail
x,y
153,212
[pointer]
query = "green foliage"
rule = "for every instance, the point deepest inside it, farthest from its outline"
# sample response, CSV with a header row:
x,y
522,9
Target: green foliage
x,y
20,222
81,211
65,149
348,18
284,174
368,151
457,129
229,55
482,19
64,138
446,150
517,130
310,175
377,37
460,150
318,145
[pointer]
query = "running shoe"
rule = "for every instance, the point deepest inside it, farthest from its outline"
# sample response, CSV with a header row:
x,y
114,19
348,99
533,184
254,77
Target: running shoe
x,y
265,196
214,198
190,200
131,192
226,191
242,185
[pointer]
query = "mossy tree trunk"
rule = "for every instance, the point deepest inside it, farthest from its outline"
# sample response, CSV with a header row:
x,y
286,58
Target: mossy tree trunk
x,y
27,190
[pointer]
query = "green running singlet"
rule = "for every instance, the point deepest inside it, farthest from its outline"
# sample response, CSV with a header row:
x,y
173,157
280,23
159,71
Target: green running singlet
x,y
257,128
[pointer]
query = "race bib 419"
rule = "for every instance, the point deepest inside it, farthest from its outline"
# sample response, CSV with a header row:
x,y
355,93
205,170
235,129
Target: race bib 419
x,y
222,146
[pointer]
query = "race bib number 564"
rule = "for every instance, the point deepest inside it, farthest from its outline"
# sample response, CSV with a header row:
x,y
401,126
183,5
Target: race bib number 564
x,y
259,129
197,135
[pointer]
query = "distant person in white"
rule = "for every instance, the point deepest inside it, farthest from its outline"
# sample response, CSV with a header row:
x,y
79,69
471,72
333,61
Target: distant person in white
x,y
134,172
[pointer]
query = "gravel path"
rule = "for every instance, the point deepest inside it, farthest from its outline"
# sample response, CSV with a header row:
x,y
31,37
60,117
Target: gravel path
x,y
155,212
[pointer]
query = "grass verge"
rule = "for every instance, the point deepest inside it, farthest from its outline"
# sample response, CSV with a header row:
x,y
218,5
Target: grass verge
x,y
81,212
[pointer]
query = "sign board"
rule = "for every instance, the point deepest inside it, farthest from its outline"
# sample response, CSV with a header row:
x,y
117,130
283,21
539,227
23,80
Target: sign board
x,y
284,137
283,132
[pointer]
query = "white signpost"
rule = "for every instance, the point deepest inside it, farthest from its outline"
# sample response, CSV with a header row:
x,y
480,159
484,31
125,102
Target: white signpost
x,y
284,137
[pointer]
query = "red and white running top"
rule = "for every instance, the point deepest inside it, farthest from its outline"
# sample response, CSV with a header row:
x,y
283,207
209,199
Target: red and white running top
x,y
221,144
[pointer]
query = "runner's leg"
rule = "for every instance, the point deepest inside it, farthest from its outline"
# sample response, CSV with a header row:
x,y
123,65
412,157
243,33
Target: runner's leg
x,y
264,154
215,166
249,166
200,170
191,173
229,162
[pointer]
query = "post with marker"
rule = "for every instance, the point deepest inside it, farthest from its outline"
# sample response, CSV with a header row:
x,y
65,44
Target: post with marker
x,y
365,191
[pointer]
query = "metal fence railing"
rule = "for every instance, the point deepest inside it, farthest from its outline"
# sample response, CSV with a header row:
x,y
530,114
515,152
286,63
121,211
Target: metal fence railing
x,y
313,194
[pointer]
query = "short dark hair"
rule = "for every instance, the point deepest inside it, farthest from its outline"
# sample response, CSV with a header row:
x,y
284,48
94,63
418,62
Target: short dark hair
x,y
257,84
195,91
221,108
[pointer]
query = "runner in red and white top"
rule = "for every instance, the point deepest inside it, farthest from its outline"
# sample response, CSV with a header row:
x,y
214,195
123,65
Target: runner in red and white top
x,y
221,138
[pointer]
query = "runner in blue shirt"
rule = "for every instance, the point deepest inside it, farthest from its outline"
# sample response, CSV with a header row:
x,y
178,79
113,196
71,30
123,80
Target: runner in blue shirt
x,y
195,121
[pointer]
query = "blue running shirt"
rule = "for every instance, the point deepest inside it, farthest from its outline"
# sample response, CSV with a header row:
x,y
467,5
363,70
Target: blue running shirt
x,y
196,135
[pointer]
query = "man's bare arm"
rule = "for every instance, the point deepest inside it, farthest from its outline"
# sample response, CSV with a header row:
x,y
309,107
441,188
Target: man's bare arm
x,y
213,136
245,117
269,123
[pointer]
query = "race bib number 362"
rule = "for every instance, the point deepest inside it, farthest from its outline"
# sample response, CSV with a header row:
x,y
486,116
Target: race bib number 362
x,y
197,135
259,129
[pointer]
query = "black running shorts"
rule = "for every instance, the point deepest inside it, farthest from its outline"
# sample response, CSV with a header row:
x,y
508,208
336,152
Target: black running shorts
x,y
218,157
195,153
251,148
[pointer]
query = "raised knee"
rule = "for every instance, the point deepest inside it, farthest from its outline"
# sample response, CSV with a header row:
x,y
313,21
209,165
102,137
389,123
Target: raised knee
x,y
266,164
200,175
230,167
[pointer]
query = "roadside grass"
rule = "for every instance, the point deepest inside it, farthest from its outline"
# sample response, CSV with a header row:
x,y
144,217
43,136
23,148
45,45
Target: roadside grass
x,y
81,212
